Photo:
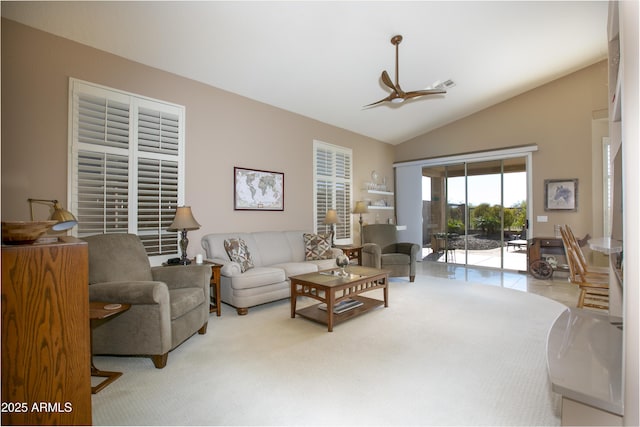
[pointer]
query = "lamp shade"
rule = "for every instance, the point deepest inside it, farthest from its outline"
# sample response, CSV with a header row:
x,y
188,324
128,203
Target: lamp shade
x,y
331,217
360,208
184,220
65,219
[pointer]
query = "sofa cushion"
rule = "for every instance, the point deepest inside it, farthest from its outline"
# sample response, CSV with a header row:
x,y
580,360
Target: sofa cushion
x,y
317,246
183,300
272,246
258,276
238,252
295,268
324,264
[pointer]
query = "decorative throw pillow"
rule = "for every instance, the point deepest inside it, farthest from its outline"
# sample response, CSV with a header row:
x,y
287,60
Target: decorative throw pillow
x,y
238,252
317,246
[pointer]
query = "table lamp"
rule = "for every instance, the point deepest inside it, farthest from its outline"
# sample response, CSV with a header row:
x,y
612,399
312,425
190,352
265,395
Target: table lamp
x,y
183,222
331,217
360,208
65,219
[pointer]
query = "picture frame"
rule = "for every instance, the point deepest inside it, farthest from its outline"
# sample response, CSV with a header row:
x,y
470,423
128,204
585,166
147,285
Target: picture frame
x,y
257,190
561,195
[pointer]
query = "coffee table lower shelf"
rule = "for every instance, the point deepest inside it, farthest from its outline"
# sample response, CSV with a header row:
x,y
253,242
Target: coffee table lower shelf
x,y
313,312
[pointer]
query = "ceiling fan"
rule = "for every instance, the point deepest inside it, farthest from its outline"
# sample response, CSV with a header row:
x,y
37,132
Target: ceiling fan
x,y
398,95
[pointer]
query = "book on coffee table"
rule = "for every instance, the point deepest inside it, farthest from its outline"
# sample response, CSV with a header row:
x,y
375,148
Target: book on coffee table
x,y
342,306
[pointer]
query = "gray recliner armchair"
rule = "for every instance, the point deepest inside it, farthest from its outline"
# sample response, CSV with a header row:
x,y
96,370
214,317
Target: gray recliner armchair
x,y
381,250
168,304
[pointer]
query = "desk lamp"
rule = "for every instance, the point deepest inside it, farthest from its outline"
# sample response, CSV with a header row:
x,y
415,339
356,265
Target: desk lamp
x,y
65,219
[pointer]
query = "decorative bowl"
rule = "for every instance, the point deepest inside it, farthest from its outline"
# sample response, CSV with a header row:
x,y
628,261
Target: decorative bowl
x,y
24,232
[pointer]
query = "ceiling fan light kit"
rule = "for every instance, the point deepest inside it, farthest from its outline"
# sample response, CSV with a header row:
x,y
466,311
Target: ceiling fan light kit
x,y
397,95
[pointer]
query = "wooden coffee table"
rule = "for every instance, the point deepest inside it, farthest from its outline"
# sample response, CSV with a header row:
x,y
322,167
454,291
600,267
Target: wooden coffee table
x,y
329,288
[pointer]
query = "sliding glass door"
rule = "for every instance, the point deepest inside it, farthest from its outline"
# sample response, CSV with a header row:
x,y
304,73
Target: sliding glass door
x,y
474,213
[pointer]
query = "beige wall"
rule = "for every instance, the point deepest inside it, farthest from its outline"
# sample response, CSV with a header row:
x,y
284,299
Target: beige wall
x,y
226,130
223,130
558,118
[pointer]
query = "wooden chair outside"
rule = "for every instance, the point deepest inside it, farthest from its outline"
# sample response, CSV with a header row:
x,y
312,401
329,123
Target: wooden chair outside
x,y
594,288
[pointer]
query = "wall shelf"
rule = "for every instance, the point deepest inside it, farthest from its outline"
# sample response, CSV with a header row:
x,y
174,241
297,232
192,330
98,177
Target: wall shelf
x,y
382,196
383,193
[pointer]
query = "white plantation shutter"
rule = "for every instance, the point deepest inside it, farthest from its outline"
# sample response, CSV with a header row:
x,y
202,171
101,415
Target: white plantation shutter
x,y
343,197
333,188
157,202
103,193
127,164
158,132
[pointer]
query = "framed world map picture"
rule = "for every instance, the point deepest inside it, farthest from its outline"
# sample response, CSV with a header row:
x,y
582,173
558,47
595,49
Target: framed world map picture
x,y
258,190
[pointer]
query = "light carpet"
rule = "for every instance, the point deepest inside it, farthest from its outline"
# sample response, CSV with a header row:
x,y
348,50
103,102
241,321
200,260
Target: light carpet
x,y
444,352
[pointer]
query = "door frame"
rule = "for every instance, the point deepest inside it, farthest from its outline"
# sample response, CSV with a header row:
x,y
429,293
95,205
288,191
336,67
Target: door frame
x,y
404,207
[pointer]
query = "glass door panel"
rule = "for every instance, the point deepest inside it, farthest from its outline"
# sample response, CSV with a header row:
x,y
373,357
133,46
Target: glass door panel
x,y
514,252
474,213
484,190
443,221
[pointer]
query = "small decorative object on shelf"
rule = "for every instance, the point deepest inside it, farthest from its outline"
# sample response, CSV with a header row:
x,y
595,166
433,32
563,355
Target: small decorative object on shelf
x,y
342,261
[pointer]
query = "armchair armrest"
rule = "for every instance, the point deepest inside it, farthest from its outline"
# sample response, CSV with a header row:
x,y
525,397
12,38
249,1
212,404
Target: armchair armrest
x,y
130,292
371,255
183,276
371,248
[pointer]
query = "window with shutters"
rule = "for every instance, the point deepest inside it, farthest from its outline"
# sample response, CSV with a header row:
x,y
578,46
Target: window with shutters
x,y
126,165
333,188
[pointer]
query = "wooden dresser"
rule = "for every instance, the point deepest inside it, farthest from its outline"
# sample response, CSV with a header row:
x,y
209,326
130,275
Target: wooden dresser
x,y
45,334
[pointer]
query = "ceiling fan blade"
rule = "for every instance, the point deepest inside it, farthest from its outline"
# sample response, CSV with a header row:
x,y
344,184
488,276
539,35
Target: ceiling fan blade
x,y
388,98
417,93
387,80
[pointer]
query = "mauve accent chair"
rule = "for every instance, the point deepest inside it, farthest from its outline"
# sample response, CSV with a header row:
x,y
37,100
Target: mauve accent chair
x,y
381,249
168,304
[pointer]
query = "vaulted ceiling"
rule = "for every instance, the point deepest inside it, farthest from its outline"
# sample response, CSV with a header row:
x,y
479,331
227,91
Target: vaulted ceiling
x,y
324,59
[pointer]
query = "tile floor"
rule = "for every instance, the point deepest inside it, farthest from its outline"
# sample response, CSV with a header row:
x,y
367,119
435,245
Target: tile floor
x,y
558,288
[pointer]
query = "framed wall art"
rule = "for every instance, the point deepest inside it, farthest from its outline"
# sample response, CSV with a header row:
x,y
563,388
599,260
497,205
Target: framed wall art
x,y
561,195
258,190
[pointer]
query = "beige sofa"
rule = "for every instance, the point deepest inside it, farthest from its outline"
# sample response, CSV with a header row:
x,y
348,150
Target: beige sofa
x,y
276,255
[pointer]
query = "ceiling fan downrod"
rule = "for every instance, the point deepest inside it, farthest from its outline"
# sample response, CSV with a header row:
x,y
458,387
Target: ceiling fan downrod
x,y
396,40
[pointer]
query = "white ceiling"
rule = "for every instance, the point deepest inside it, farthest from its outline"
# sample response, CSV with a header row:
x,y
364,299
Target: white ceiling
x,y
324,59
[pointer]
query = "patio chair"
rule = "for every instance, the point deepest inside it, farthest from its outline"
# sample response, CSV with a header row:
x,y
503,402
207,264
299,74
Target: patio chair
x,y
518,240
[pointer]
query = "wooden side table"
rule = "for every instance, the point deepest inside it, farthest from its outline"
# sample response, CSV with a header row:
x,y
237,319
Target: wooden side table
x,y
352,251
102,311
215,287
